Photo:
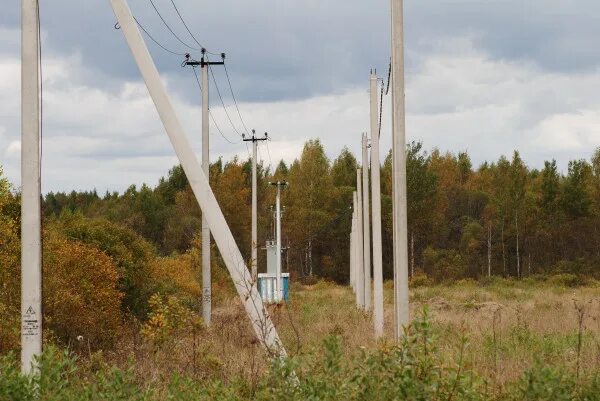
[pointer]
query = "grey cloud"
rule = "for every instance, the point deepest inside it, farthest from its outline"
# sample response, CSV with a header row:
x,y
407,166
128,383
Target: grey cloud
x,y
297,49
483,76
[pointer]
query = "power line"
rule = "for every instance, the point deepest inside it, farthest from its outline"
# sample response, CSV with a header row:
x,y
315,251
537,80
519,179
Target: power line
x,y
233,96
389,78
210,113
248,150
187,28
380,108
222,102
259,154
270,160
219,129
154,40
169,28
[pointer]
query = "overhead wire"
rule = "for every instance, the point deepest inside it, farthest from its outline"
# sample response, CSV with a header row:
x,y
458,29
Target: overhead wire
x,y
210,113
387,90
188,29
248,150
154,40
222,102
259,154
179,14
170,29
234,99
380,108
269,153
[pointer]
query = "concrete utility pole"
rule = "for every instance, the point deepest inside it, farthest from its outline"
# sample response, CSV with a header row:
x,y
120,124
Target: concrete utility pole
x,y
279,184
206,279
31,249
206,275
399,198
376,210
352,250
242,279
360,282
366,224
254,261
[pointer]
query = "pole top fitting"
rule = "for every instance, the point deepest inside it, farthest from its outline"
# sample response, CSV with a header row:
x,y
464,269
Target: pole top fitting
x,y
203,51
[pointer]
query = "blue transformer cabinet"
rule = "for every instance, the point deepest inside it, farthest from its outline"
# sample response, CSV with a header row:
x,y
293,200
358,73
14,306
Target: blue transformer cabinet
x,y
267,283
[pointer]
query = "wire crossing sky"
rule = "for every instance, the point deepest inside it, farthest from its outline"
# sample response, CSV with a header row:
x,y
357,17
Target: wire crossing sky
x,y
485,77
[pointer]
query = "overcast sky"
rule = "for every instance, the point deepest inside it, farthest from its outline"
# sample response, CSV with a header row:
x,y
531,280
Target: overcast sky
x,y
483,76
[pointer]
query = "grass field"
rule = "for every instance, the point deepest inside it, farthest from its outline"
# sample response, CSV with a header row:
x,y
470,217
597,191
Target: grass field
x,y
481,340
510,325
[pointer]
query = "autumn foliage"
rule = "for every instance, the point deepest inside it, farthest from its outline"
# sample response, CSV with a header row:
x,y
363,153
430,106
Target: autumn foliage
x,y
81,295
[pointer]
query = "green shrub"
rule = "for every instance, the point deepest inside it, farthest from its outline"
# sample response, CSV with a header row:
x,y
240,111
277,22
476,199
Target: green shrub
x,y
130,252
444,264
567,280
544,383
420,279
415,369
579,267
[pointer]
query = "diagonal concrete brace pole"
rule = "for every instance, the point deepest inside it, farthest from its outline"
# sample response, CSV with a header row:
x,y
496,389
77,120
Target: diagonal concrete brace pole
x,y
242,278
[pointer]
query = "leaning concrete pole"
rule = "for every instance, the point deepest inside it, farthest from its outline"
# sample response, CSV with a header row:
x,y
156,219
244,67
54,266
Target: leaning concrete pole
x,y
206,276
254,256
241,276
376,211
366,223
399,197
360,282
31,249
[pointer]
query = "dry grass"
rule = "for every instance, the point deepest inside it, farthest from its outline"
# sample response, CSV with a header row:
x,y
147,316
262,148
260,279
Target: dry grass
x,y
510,326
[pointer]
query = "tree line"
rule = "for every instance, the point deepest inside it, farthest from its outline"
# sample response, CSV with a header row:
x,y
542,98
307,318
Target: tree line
x,y
499,218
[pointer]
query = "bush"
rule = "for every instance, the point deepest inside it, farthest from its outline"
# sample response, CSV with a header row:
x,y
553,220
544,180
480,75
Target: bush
x,y
420,279
309,280
544,383
567,280
176,276
580,267
415,369
80,290
444,264
130,252
167,318
81,296
10,275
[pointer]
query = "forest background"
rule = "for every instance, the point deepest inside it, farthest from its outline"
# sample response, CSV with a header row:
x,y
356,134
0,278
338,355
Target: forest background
x,y
136,253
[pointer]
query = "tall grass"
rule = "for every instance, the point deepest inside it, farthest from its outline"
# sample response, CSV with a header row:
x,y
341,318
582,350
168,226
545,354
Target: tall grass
x,y
415,369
